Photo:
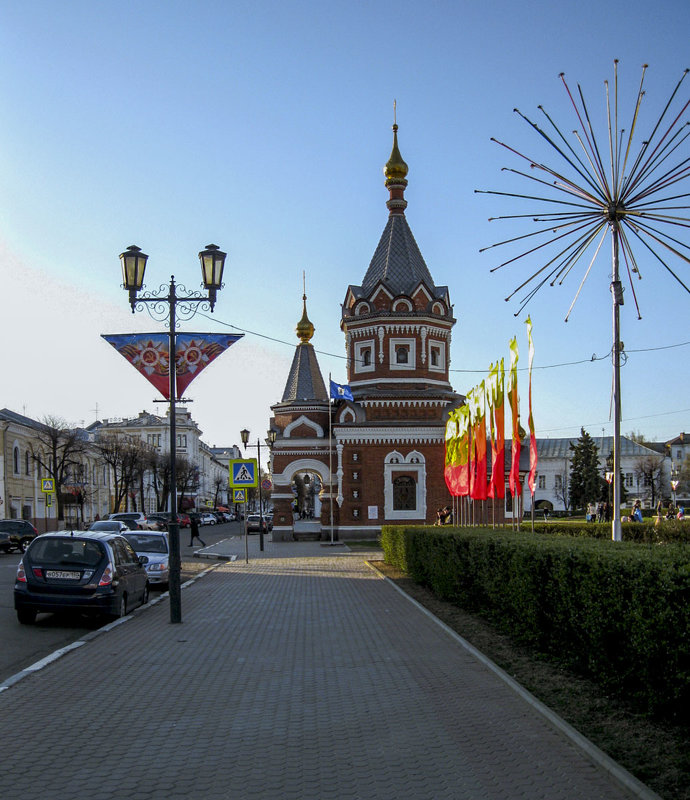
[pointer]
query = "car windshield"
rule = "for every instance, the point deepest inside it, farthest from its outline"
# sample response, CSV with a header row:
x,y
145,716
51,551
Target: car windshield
x,y
54,551
145,543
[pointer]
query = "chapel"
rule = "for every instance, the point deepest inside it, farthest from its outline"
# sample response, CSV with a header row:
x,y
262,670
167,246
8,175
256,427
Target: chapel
x,y
377,458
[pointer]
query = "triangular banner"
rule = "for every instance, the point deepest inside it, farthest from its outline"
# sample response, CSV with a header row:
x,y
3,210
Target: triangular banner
x,y
149,353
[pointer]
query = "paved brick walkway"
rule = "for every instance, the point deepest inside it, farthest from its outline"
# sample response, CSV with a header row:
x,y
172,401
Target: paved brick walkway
x,y
304,678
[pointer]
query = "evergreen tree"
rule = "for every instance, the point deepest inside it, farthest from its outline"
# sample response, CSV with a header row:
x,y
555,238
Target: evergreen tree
x,y
585,478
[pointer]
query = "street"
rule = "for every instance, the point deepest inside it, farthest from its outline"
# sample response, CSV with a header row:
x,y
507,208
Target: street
x,y
23,645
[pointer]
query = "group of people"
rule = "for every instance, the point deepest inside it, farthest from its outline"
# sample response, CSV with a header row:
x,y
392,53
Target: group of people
x,y
601,512
444,516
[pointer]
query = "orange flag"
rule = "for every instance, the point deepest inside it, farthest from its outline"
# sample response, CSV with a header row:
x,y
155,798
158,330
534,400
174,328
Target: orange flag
x,y
532,477
478,486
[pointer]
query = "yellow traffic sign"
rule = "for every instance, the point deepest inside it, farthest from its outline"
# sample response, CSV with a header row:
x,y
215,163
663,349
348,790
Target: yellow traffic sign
x,y
243,473
47,484
238,496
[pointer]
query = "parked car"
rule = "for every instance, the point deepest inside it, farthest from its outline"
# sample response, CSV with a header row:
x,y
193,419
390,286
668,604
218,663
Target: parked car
x,y
254,523
158,522
92,572
155,547
164,517
207,519
112,525
137,516
20,533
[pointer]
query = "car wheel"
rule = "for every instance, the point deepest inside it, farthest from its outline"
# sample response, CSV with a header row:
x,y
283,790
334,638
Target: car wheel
x,y
23,544
122,610
26,616
145,596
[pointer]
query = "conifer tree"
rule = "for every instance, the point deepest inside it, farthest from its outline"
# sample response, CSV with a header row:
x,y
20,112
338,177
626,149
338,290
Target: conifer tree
x,y
585,480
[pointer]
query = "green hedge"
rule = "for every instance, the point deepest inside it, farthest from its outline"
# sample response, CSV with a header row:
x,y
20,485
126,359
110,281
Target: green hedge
x,y
617,612
671,530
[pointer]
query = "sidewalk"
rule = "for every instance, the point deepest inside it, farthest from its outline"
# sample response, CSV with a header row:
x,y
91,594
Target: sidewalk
x,y
301,677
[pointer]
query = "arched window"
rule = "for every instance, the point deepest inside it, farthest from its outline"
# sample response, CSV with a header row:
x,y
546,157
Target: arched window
x,y
366,356
27,463
16,460
404,494
402,354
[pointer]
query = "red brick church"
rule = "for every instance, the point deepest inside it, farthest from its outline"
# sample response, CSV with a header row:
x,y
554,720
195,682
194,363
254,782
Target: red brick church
x,y
380,458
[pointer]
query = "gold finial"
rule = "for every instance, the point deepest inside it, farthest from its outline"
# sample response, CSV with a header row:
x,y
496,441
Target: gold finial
x,y
396,169
304,329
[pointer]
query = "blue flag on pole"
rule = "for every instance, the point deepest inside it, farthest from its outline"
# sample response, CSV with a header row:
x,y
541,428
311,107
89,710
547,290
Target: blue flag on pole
x,y
339,392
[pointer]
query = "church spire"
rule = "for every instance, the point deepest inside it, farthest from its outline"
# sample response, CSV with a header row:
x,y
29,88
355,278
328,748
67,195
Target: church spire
x,y
396,171
305,328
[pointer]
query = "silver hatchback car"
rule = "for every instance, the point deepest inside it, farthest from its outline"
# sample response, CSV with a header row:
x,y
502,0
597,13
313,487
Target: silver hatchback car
x,y
153,545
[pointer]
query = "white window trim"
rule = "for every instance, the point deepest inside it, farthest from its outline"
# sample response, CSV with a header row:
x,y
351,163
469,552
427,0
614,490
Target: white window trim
x,y
441,347
412,362
395,462
363,345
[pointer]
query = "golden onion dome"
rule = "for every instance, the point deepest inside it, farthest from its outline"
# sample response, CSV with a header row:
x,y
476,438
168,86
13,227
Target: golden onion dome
x,y
304,329
396,169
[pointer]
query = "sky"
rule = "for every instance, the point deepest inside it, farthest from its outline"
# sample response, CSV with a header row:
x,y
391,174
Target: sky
x,y
263,127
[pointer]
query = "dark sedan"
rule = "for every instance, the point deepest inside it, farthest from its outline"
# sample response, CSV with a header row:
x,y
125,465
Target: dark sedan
x,y
16,534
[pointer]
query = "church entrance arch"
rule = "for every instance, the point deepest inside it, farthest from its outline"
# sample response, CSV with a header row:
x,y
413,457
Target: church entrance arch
x,y
300,499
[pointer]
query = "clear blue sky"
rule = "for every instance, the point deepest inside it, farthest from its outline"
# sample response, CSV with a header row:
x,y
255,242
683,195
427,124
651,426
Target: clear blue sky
x,y
264,127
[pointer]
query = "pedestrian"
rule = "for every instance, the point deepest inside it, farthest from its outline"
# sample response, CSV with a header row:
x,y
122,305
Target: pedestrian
x,y
194,532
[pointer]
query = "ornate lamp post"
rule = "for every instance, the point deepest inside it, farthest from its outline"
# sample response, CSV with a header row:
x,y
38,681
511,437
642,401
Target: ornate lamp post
x,y
162,306
244,435
609,474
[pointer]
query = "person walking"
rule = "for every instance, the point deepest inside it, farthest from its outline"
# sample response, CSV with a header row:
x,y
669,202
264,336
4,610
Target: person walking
x,y
194,533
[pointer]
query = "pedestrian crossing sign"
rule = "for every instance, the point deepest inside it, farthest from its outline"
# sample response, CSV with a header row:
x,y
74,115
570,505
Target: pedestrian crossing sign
x,y
243,473
238,496
47,485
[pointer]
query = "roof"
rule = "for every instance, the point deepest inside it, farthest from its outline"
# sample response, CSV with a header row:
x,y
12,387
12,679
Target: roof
x,y
305,381
397,262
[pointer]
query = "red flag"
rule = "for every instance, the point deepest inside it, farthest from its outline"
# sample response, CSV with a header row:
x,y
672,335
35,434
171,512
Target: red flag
x,y
450,468
513,399
497,485
532,477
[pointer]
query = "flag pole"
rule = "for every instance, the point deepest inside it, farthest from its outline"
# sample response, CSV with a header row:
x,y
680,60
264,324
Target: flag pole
x,y
330,454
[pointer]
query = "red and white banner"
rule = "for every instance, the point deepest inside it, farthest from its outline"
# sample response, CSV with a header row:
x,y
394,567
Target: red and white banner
x,y
149,353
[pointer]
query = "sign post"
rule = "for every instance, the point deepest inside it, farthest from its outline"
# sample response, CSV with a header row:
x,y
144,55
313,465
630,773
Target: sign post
x,y
244,474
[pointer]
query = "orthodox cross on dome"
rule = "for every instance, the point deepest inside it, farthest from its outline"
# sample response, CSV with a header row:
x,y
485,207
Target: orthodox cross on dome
x,y
305,328
396,171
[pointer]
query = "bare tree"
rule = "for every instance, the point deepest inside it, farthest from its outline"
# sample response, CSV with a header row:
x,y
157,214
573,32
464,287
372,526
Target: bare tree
x,y
58,450
562,492
126,458
649,469
187,475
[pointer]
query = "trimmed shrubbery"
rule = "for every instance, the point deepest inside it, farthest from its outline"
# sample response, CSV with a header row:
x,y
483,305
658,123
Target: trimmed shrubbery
x,y
617,612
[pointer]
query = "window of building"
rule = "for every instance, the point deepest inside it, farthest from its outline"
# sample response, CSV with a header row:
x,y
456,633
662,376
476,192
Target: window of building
x,y
558,482
404,494
364,356
402,354
15,455
437,356
679,455
541,481
182,440
628,480
27,463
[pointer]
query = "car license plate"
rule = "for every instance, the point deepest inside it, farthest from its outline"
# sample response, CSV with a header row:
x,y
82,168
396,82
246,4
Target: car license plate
x,y
62,575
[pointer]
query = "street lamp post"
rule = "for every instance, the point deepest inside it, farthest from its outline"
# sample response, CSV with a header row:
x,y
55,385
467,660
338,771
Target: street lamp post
x,y
609,474
163,307
244,435
675,480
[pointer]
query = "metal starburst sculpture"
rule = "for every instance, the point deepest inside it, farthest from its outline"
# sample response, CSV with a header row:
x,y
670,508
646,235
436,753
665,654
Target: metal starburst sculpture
x,y
606,190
